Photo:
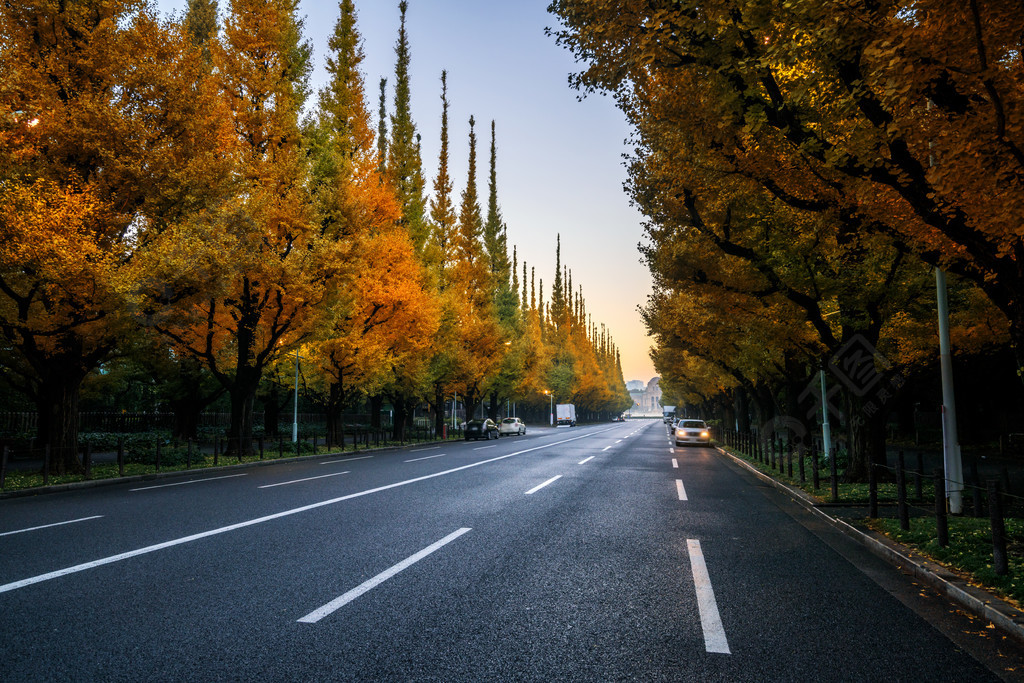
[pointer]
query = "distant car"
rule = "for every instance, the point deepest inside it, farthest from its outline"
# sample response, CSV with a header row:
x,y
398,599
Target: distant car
x,y
481,429
692,431
510,426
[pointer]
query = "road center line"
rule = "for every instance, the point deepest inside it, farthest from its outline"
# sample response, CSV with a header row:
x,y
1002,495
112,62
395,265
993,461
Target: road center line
x,y
675,464
483,448
267,518
710,620
296,481
680,490
540,486
185,483
47,526
426,457
605,448
339,602
586,460
429,448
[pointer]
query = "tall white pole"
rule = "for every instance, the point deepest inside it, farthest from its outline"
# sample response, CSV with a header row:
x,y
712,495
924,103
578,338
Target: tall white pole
x,y
950,440
826,430
295,417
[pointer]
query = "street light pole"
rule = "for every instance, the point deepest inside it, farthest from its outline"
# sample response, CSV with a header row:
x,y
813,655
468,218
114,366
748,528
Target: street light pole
x,y
951,460
295,414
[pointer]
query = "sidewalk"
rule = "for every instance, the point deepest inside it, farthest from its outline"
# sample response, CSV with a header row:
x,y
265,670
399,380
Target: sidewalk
x,y
973,599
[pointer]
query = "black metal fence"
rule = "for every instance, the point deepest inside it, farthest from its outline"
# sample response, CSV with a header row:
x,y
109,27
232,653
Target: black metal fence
x,y
910,487
129,453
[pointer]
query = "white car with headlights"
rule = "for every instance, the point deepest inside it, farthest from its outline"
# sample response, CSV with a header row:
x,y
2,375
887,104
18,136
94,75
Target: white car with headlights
x,y
692,431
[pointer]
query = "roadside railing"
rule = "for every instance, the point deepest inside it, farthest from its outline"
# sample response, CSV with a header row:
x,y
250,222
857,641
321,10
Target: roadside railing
x,y
107,456
985,539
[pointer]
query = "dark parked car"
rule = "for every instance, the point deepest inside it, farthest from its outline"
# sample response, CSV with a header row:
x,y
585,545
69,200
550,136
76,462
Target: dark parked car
x,y
482,429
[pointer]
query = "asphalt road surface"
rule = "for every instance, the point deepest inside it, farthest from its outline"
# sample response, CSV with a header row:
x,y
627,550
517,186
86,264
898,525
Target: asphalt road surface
x,y
595,553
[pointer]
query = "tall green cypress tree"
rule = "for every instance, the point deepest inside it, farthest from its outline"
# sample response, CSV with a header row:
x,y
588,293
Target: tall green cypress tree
x,y
557,307
382,129
404,163
442,211
494,228
201,24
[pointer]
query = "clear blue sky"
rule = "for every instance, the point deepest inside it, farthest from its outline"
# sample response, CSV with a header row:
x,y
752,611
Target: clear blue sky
x,y
559,160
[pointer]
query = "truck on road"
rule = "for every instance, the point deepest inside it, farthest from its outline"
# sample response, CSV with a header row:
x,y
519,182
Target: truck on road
x,y
668,413
565,414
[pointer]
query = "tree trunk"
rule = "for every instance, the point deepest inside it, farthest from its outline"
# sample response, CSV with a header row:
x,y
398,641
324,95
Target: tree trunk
x,y
335,410
57,405
398,428
243,396
492,411
438,407
376,404
471,400
866,431
272,412
742,410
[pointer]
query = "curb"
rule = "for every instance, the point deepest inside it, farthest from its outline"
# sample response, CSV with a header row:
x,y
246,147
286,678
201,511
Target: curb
x,y
975,600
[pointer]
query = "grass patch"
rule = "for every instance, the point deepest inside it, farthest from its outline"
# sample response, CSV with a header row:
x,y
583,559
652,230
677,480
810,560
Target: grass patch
x,y
969,551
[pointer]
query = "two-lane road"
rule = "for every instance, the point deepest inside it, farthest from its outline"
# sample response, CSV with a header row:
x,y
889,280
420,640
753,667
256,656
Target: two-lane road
x,y
592,553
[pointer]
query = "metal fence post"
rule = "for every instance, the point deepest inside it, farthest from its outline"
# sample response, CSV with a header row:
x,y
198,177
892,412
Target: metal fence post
x,y
88,461
815,473
872,492
941,521
919,479
835,477
120,456
803,475
1000,564
901,493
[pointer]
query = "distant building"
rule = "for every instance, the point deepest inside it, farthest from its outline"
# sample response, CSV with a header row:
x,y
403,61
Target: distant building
x,y
646,399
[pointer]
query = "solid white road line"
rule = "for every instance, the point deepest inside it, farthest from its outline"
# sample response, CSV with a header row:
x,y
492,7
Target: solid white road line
x,y
586,460
426,457
680,490
342,462
47,526
260,520
710,621
297,481
675,464
184,483
539,487
339,602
